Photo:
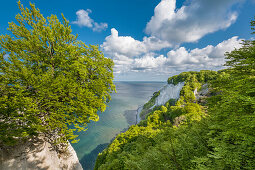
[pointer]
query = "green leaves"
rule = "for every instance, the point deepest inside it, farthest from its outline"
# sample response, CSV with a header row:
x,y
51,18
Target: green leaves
x,y
232,110
190,136
50,80
157,142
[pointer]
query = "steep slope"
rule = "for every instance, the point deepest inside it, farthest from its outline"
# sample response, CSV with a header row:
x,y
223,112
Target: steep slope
x,y
211,126
38,155
168,92
156,143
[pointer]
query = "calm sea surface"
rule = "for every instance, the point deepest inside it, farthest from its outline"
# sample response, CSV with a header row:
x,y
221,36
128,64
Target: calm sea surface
x,y
118,116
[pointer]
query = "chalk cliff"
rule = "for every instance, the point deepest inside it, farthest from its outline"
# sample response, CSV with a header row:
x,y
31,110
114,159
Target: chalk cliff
x,y
38,155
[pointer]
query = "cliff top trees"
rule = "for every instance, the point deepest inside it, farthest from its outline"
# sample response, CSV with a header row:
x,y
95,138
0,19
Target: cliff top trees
x,y
223,139
232,113
49,81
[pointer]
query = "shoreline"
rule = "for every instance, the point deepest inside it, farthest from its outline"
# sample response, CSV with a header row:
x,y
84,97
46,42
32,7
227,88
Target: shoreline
x,y
138,111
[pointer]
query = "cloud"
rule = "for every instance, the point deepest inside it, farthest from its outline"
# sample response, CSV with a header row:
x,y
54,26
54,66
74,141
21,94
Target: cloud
x,y
124,45
99,27
128,46
148,62
180,59
169,28
190,22
121,63
208,56
84,20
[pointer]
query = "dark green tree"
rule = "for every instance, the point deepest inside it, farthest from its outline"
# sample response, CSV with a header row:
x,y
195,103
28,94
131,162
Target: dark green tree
x,y
49,81
232,112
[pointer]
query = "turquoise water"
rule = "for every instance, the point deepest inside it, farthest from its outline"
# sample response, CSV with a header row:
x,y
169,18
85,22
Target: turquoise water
x,y
129,96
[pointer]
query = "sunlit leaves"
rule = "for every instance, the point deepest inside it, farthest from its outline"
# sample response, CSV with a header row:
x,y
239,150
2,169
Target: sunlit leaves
x,y
50,81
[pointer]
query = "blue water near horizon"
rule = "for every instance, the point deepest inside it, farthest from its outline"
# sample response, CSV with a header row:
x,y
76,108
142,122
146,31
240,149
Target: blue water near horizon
x,y
129,96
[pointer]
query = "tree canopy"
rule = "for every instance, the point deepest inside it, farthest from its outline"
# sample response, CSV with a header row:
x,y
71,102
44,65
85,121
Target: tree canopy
x,y
49,81
215,132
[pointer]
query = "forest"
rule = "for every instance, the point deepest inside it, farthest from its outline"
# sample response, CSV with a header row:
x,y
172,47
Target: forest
x,y
53,85
211,129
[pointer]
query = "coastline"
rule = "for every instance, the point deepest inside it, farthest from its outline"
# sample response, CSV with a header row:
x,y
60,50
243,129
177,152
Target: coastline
x,y
138,111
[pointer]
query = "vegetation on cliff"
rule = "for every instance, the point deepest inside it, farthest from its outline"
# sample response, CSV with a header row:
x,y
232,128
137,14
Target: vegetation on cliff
x,y
155,142
49,81
217,134
147,106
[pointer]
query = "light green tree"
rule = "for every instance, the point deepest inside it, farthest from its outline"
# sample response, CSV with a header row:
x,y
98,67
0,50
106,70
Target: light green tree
x,y
49,81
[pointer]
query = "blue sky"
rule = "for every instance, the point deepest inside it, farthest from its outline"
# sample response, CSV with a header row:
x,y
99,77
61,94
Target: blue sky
x,y
150,40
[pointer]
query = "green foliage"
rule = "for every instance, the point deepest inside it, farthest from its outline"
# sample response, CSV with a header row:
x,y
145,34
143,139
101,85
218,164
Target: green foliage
x,y
202,76
135,150
49,80
170,102
135,140
146,107
151,102
169,148
189,136
193,81
232,125
253,25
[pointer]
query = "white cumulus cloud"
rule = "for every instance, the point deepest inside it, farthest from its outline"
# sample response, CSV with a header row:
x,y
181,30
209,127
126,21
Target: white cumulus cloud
x,y
169,27
148,62
180,59
128,46
84,20
208,56
192,21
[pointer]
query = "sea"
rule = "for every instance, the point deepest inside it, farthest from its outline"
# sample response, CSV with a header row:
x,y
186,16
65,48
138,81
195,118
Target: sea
x,y
119,115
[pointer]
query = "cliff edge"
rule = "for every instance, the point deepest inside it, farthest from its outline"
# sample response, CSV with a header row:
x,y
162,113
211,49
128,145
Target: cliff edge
x,y
38,155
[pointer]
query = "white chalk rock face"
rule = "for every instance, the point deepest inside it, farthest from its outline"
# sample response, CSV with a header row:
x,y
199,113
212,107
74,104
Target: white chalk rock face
x,y
138,118
38,155
168,92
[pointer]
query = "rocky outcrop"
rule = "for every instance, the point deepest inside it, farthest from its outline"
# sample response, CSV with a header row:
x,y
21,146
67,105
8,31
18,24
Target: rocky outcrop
x,y
202,94
168,92
38,154
138,118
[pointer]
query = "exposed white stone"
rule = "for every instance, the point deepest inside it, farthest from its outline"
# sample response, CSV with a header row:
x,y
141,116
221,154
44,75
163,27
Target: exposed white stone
x,y
203,91
138,118
168,92
38,155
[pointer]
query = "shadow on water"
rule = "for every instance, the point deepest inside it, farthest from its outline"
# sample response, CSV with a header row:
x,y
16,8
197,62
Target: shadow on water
x,y
88,161
130,116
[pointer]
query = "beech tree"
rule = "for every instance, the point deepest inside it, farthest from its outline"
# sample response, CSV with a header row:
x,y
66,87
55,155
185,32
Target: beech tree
x,y
49,81
232,112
